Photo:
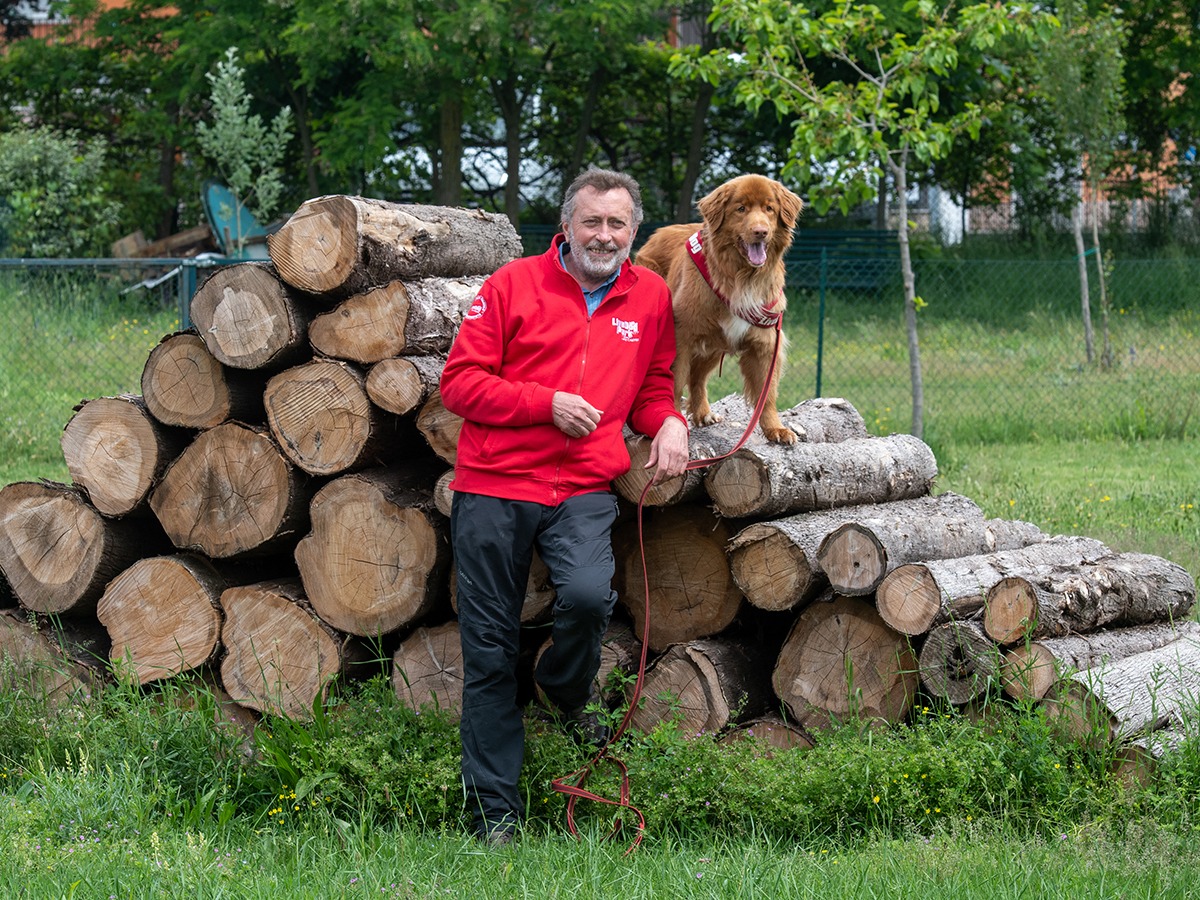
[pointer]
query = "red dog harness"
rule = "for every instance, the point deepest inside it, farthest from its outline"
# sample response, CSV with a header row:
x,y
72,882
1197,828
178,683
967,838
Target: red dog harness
x,y
763,316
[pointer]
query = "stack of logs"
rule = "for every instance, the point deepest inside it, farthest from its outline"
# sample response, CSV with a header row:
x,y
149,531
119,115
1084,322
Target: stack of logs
x,y
272,510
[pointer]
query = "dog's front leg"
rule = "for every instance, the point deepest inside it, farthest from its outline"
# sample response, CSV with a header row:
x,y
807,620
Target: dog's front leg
x,y
755,363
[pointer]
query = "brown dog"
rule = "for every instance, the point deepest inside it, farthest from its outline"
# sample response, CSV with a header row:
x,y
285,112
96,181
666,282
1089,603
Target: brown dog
x,y
747,228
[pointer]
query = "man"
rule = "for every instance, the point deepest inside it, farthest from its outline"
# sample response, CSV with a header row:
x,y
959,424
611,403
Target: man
x,y
556,353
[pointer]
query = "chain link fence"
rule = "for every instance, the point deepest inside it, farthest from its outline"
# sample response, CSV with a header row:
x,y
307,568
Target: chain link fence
x,y
1002,345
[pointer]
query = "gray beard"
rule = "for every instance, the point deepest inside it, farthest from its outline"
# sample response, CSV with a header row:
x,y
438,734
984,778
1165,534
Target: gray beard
x,y
596,269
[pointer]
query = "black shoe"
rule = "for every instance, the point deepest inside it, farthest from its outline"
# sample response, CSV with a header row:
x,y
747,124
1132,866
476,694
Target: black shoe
x,y
586,726
500,836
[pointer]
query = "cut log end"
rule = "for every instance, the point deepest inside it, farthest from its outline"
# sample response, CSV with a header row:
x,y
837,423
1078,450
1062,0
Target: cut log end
x,y
771,571
853,559
1010,611
908,599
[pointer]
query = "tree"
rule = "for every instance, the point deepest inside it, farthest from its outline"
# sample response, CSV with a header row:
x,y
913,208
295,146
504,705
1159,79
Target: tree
x,y
245,151
1079,81
877,110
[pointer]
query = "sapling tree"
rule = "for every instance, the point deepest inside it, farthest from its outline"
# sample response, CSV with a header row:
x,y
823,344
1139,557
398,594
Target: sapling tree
x,y
245,151
863,91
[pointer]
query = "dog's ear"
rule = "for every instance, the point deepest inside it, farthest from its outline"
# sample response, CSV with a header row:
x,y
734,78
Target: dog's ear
x,y
789,205
712,207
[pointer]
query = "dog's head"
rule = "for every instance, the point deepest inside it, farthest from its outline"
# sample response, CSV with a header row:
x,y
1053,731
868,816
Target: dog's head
x,y
758,211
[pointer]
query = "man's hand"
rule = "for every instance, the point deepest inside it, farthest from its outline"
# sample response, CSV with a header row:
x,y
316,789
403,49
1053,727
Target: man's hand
x,y
573,415
669,451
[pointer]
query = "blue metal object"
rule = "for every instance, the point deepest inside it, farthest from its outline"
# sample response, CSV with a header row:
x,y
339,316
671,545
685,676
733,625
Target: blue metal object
x,y
237,232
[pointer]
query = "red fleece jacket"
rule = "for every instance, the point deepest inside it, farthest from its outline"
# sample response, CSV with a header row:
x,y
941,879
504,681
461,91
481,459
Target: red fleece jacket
x,y
528,335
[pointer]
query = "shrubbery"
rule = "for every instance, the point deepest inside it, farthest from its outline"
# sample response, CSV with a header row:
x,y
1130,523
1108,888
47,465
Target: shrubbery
x,y
52,200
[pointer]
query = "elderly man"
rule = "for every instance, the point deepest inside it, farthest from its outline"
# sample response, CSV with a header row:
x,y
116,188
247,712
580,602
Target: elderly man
x,y
555,355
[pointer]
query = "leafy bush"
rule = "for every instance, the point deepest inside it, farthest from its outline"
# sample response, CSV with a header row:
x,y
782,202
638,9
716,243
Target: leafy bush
x,y
52,202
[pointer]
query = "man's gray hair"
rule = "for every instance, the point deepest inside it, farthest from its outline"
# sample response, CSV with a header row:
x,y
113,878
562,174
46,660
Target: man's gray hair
x,y
602,180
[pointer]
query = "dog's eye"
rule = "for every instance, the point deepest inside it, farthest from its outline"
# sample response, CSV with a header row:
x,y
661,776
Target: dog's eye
x,y
742,208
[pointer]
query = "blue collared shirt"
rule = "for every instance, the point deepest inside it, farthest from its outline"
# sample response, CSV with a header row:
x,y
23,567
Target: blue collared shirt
x,y
592,298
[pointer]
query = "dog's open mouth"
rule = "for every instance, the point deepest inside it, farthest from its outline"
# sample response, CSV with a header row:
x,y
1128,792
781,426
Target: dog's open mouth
x,y
756,253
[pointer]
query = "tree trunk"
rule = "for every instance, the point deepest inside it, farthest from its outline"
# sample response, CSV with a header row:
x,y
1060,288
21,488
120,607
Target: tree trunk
x,y
1089,340
773,733
856,556
58,552
778,479
427,669
249,319
411,317
231,492
185,385
918,596
401,384
163,614
280,658
841,661
1121,589
704,685
56,663
376,557
1030,671
1139,694
338,245
813,421
117,451
958,662
324,422
900,172
440,427
692,594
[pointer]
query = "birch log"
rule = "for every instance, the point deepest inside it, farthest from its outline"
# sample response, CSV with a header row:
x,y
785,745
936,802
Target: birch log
x,y
918,596
341,245
778,479
1121,589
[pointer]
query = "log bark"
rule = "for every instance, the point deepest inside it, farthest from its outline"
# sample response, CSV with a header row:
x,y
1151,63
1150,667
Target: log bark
x,y
704,686
773,733
402,384
230,493
1029,671
280,657
440,427
1137,695
692,593
57,664
249,319
918,596
841,661
164,616
958,662
58,552
377,555
341,245
778,479
116,451
185,385
814,421
427,669
324,422
414,317
856,556
1120,589
775,562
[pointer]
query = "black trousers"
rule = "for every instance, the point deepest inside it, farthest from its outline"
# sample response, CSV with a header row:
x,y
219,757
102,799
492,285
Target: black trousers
x,y
493,543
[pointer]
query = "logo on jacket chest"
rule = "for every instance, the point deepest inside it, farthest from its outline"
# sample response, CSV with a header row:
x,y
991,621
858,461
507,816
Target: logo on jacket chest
x,y
627,331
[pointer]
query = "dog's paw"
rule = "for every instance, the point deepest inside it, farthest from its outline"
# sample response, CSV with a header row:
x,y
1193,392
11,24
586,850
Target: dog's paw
x,y
709,418
780,435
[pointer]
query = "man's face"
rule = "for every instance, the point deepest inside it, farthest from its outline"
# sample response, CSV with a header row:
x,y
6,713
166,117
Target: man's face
x,y
600,231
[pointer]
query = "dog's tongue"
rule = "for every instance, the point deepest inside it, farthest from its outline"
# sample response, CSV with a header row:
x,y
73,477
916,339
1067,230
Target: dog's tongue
x,y
756,253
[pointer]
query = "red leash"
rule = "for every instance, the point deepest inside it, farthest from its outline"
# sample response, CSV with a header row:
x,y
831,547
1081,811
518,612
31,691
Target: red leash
x,y
573,785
